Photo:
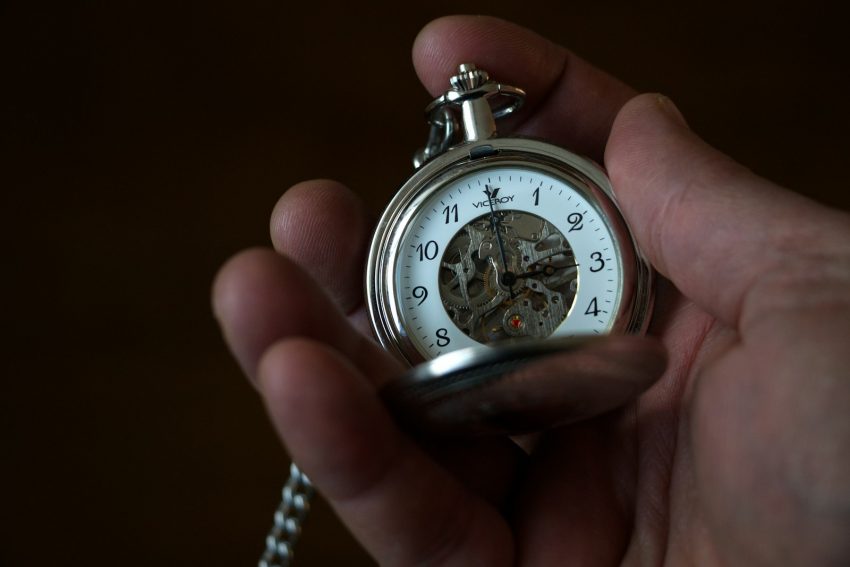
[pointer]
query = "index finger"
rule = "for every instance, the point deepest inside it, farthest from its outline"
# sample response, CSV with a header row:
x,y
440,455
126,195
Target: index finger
x,y
570,102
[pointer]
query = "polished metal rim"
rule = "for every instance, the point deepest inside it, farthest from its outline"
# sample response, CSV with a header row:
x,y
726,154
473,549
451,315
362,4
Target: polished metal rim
x,y
582,174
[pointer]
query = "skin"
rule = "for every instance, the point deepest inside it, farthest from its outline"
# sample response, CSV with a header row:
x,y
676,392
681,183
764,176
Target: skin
x,y
738,455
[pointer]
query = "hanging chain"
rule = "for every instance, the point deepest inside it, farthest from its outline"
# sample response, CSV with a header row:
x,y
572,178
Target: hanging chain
x,y
288,519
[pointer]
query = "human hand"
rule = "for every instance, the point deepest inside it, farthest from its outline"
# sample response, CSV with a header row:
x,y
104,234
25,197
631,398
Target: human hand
x,y
739,455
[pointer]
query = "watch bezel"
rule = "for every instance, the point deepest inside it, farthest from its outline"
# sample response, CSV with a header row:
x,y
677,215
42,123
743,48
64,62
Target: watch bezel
x,y
635,301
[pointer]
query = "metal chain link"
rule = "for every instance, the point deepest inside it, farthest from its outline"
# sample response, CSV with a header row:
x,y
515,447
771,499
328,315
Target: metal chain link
x,y
288,519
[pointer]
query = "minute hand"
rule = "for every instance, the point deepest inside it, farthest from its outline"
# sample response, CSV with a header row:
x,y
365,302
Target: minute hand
x,y
493,224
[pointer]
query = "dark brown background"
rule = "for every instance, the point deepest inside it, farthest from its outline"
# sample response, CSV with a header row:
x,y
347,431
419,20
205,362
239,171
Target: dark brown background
x,y
144,143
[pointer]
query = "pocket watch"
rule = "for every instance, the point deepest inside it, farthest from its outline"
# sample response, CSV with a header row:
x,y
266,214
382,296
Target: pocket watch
x,y
503,272
496,252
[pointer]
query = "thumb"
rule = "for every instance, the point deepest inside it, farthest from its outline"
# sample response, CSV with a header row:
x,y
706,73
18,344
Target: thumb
x,y
708,224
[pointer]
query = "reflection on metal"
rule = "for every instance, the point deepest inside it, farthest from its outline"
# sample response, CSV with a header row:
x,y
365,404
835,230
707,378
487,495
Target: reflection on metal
x,y
526,387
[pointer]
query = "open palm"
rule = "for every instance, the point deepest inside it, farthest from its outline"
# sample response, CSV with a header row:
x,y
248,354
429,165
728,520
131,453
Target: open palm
x,y
740,454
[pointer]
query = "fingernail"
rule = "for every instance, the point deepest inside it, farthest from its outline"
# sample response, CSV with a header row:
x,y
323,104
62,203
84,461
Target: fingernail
x,y
667,107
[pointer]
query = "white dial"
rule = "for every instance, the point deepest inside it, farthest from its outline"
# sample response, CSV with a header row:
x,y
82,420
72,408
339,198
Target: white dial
x,y
505,253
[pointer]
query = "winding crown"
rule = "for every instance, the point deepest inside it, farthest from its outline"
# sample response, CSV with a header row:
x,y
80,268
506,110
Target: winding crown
x,y
468,77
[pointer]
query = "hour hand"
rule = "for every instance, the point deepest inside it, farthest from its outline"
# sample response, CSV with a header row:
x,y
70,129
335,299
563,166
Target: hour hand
x,y
548,270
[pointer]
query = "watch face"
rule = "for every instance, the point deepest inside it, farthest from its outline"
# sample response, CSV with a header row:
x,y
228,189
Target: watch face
x,y
499,250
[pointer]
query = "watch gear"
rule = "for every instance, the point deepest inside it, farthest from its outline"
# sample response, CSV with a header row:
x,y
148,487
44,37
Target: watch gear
x,y
528,296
